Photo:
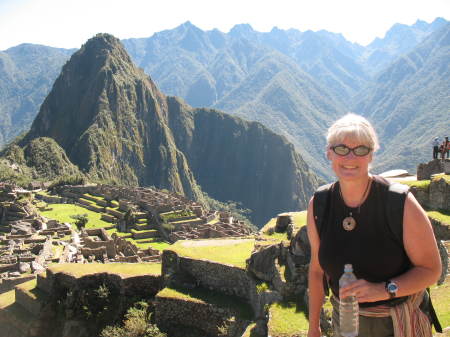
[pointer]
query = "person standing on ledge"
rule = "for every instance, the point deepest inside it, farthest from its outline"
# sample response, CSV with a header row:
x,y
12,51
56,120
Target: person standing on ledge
x,y
355,229
436,148
445,148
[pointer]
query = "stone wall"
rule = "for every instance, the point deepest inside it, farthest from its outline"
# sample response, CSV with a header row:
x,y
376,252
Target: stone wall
x,y
441,230
439,195
10,283
224,278
31,304
172,313
436,196
426,170
105,241
140,286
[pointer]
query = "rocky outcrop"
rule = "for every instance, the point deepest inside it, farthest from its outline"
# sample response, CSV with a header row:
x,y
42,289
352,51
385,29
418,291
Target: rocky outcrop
x,y
435,196
426,170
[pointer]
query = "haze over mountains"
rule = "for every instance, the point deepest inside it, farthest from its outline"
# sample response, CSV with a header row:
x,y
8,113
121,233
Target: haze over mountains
x,y
295,83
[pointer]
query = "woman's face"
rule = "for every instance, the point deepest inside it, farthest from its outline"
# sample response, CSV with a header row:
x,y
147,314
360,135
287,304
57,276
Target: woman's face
x,y
350,167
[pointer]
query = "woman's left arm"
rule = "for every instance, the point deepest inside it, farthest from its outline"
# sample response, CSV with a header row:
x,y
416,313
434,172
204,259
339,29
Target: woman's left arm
x,y
420,245
421,248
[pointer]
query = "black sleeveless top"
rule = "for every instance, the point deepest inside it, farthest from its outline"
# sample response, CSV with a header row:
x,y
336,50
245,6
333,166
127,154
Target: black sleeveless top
x,y
371,247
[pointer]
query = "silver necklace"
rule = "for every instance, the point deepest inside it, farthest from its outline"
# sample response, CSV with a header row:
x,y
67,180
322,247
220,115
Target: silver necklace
x,y
349,223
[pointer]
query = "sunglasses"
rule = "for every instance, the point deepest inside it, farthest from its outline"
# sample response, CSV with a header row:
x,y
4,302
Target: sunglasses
x,y
343,150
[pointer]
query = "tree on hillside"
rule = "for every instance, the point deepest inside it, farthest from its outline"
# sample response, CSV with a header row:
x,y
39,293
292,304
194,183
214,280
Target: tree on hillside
x,y
80,220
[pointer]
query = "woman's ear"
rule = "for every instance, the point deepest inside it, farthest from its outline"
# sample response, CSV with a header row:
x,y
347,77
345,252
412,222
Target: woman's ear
x,y
328,154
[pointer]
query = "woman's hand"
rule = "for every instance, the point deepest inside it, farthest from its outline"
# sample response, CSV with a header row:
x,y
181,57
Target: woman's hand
x,y
365,291
314,332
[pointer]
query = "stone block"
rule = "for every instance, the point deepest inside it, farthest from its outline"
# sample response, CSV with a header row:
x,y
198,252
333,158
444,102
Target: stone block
x,y
426,170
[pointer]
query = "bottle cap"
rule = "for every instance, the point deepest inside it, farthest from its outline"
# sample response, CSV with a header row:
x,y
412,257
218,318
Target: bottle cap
x,y
348,268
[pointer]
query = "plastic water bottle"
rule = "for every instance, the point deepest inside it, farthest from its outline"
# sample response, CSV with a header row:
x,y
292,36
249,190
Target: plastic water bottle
x,y
348,306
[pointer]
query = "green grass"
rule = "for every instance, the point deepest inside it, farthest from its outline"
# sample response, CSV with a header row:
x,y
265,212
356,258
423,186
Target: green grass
x,y
128,269
45,193
441,216
440,176
149,243
233,253
440,296
62,213
201,295
29,286
420,184
160,245
7,298
93,196
174,215
90,202
120,234
287,320
143,230
299,219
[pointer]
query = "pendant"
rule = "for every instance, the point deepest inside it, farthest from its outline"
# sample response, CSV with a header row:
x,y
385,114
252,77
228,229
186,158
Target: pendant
x,y
349,223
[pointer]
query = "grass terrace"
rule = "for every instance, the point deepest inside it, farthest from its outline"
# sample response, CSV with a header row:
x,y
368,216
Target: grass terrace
x,y
126,269
63,212
45,193
175,215
7,298
150,243
227,251
287,320
121,234
442,216
424,184
91,196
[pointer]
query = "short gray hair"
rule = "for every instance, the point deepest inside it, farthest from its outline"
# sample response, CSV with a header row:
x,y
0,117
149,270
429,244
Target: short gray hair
x,y
354,127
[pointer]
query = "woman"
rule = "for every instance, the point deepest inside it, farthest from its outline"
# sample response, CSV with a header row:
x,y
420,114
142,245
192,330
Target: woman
x,y
354,231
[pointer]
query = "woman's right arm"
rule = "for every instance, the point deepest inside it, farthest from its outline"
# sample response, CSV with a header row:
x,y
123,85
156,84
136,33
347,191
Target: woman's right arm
x,y
315,276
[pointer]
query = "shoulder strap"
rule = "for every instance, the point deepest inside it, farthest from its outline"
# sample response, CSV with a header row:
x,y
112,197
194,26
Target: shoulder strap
x,y
395,205
320,202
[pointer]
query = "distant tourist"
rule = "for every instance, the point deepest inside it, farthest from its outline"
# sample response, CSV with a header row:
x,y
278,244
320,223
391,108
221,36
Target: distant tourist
x,y
435,148
445,148
392,249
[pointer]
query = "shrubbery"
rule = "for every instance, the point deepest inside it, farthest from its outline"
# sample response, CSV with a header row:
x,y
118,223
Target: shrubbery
x,y
80,220
137,323
76,179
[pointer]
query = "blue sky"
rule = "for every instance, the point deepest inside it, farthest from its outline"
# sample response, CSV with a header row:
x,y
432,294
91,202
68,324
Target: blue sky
x,y
69,23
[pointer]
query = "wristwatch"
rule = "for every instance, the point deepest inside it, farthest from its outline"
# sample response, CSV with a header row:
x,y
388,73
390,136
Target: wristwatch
x,y
391,288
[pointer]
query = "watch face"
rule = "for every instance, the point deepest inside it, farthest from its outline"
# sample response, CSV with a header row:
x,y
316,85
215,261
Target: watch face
x,y
392,288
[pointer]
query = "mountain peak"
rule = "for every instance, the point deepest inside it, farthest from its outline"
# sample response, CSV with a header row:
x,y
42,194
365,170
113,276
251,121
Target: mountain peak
x,y
242,30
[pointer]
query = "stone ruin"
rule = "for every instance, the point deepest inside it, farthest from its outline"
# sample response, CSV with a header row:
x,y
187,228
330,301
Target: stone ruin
x,y
152,203
98,245
435,166
29,240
